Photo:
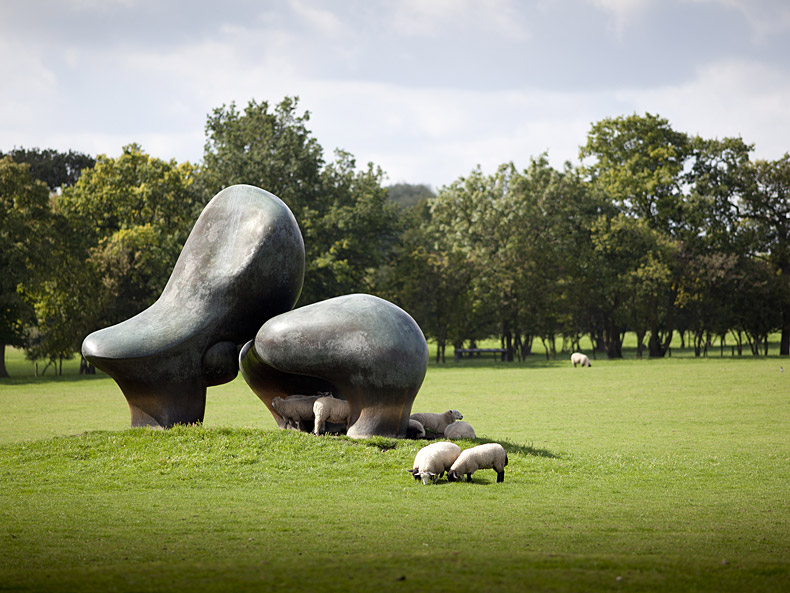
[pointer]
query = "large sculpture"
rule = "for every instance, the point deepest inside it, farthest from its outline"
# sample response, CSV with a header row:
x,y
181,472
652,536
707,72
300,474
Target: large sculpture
x,y
242,264
360,347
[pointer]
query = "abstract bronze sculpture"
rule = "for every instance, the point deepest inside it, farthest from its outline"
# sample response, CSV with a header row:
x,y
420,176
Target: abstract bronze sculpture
x,y
360,347
240,272
242,264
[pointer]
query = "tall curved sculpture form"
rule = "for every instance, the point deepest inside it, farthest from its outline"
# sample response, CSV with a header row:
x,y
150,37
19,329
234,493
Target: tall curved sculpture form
x,y
362,348
242,264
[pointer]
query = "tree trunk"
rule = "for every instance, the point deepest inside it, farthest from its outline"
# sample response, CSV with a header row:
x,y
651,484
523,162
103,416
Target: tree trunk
x,y
640,346
3,371
507,344
658,344
613,342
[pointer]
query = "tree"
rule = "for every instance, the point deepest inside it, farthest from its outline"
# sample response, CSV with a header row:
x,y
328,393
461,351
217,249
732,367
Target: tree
x,y
57,169
24,231
270,149
408,195
122,227
349,233
639,163
347,223
766,206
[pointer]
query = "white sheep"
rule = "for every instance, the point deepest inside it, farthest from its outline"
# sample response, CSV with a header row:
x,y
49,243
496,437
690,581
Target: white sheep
x,y
296,410
432,461
330,409
488,456
581,359
415,430
459,430
436,422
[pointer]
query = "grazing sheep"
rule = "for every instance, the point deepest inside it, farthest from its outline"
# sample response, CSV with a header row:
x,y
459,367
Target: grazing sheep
x,y
296,410
330,409
579,358
488,456
436,422
432,461
459,430
415,430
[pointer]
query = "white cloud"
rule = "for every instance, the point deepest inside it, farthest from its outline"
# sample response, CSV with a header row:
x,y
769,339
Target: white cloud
x,y
321,20
437,17
728,98
765,17
623,12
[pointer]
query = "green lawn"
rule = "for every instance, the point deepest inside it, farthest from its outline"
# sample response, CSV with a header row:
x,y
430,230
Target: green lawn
x,y
634,475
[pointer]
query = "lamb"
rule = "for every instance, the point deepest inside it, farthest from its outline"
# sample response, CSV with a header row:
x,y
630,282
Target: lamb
x,y
415,430
432,461
459,430
330,409
581,359
436,422
488,456
296,410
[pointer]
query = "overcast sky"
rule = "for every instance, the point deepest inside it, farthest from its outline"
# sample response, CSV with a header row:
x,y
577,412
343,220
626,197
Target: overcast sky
x,y
427,89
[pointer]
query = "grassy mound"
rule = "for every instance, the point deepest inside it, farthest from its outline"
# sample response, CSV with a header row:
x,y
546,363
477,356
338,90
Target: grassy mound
x,y
642,475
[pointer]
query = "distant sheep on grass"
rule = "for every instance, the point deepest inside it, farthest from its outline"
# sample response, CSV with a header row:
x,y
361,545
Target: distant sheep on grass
x,y
488,456
577,358
436,423
415,430
459,430
296,410
330,409
432,461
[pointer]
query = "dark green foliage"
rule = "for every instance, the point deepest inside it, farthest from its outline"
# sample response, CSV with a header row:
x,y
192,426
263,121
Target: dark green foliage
x,y
408,195
57,169
24,234
347,223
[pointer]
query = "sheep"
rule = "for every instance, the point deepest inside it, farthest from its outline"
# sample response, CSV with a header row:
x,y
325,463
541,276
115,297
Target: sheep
x,y
459,430
296,410
432,461
436,422
330,409
581,359
415,430
488,456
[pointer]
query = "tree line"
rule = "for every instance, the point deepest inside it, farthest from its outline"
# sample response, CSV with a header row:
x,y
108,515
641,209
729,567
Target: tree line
x,y
656,232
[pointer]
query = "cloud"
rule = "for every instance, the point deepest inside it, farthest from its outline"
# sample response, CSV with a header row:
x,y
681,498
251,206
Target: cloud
x,y
728,98
766,18
623,12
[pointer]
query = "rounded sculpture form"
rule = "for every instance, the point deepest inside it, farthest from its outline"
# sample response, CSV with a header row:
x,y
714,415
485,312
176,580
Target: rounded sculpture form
x,y
242,264
371,353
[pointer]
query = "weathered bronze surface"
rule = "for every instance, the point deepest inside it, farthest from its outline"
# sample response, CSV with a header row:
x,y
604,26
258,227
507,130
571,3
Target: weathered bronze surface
x,y
362,348
242,264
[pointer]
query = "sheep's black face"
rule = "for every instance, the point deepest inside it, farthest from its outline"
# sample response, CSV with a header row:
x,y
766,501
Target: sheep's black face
x,y
452,476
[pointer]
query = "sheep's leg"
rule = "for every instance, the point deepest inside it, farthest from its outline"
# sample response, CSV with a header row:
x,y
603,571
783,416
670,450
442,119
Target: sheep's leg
x,y
468,477
500,476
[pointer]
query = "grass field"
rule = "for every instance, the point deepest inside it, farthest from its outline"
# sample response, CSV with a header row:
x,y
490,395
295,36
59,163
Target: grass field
x,y
633,475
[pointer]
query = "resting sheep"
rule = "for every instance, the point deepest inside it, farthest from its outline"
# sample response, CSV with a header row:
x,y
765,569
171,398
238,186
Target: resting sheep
x,y
415,430
581,359
459,430
436,422
488,456
296,410
432,461
330,409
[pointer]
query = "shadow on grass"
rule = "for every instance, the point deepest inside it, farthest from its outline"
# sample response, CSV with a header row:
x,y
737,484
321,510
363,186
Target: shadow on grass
x,y
65,378
386,444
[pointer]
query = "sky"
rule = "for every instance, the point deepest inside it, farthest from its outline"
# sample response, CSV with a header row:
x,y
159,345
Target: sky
x,y
425,89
